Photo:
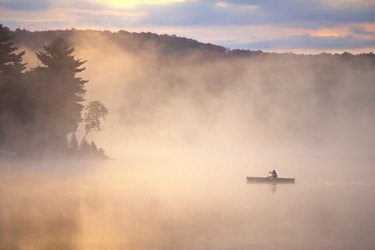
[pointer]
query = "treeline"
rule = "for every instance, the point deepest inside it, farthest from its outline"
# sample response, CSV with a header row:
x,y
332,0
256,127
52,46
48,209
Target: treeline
x,y
166,45
41,108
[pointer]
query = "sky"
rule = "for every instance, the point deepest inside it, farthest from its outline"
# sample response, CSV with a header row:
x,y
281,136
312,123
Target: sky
x,y
301,26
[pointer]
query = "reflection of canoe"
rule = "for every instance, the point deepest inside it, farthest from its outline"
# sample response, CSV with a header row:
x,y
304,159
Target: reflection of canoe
x,y
270,180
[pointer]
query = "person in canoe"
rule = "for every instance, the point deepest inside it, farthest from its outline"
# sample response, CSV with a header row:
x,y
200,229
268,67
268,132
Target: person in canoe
x,y
272,174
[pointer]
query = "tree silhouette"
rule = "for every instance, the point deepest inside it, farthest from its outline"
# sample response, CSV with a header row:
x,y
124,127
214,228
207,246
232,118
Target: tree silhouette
x,y
85,148
95,112
63,91
11,65
41,107
93,148
14,102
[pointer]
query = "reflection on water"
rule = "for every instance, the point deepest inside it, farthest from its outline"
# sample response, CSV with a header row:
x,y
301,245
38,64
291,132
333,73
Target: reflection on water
x,y
112,208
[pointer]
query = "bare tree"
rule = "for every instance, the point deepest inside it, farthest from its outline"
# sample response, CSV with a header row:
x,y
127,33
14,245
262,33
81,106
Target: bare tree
x,y
95,113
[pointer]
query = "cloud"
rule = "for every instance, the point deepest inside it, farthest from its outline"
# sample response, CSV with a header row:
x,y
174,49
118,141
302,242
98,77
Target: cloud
x,y
312,13
223,16
290,12
362,31
204,12
132,3
25,5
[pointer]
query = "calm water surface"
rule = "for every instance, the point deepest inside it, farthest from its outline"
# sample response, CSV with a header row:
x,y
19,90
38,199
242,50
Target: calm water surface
x,y
112,208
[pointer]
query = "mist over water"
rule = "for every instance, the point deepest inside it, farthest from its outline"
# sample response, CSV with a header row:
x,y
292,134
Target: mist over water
x,y
183,133
155,205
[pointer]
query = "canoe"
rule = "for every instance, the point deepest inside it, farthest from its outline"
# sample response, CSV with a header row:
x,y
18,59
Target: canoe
x,y
270,180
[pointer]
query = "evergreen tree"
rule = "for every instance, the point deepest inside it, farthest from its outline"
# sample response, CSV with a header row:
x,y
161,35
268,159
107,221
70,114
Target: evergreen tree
x,y
85,148
93,148
63,91
11,65
14,101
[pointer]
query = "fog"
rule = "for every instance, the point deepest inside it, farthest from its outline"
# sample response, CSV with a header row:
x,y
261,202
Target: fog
x,y
241,111
161,207
184,131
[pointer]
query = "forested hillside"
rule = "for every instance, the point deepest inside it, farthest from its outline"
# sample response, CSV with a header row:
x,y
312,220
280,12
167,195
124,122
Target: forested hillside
x,y
177,89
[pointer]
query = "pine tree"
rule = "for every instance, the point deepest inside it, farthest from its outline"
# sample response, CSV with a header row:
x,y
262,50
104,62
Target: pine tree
x,y
64,91
93,148
85,148
14,101
11,65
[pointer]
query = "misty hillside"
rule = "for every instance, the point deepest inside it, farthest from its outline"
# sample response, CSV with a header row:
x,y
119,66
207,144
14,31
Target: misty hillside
x,y
132,41
179,90
127,40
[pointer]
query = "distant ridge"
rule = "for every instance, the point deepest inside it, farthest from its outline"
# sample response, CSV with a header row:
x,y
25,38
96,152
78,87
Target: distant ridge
x,y
129,40
133,41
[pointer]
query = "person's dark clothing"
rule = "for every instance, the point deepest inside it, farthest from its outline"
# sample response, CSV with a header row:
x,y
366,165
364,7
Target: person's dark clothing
x,y
273,174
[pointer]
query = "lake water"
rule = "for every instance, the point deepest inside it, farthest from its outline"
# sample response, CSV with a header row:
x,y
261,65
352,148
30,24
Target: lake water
x,y
152,208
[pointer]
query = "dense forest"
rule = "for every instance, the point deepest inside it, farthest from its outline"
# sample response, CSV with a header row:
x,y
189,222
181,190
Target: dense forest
x,y
41,108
